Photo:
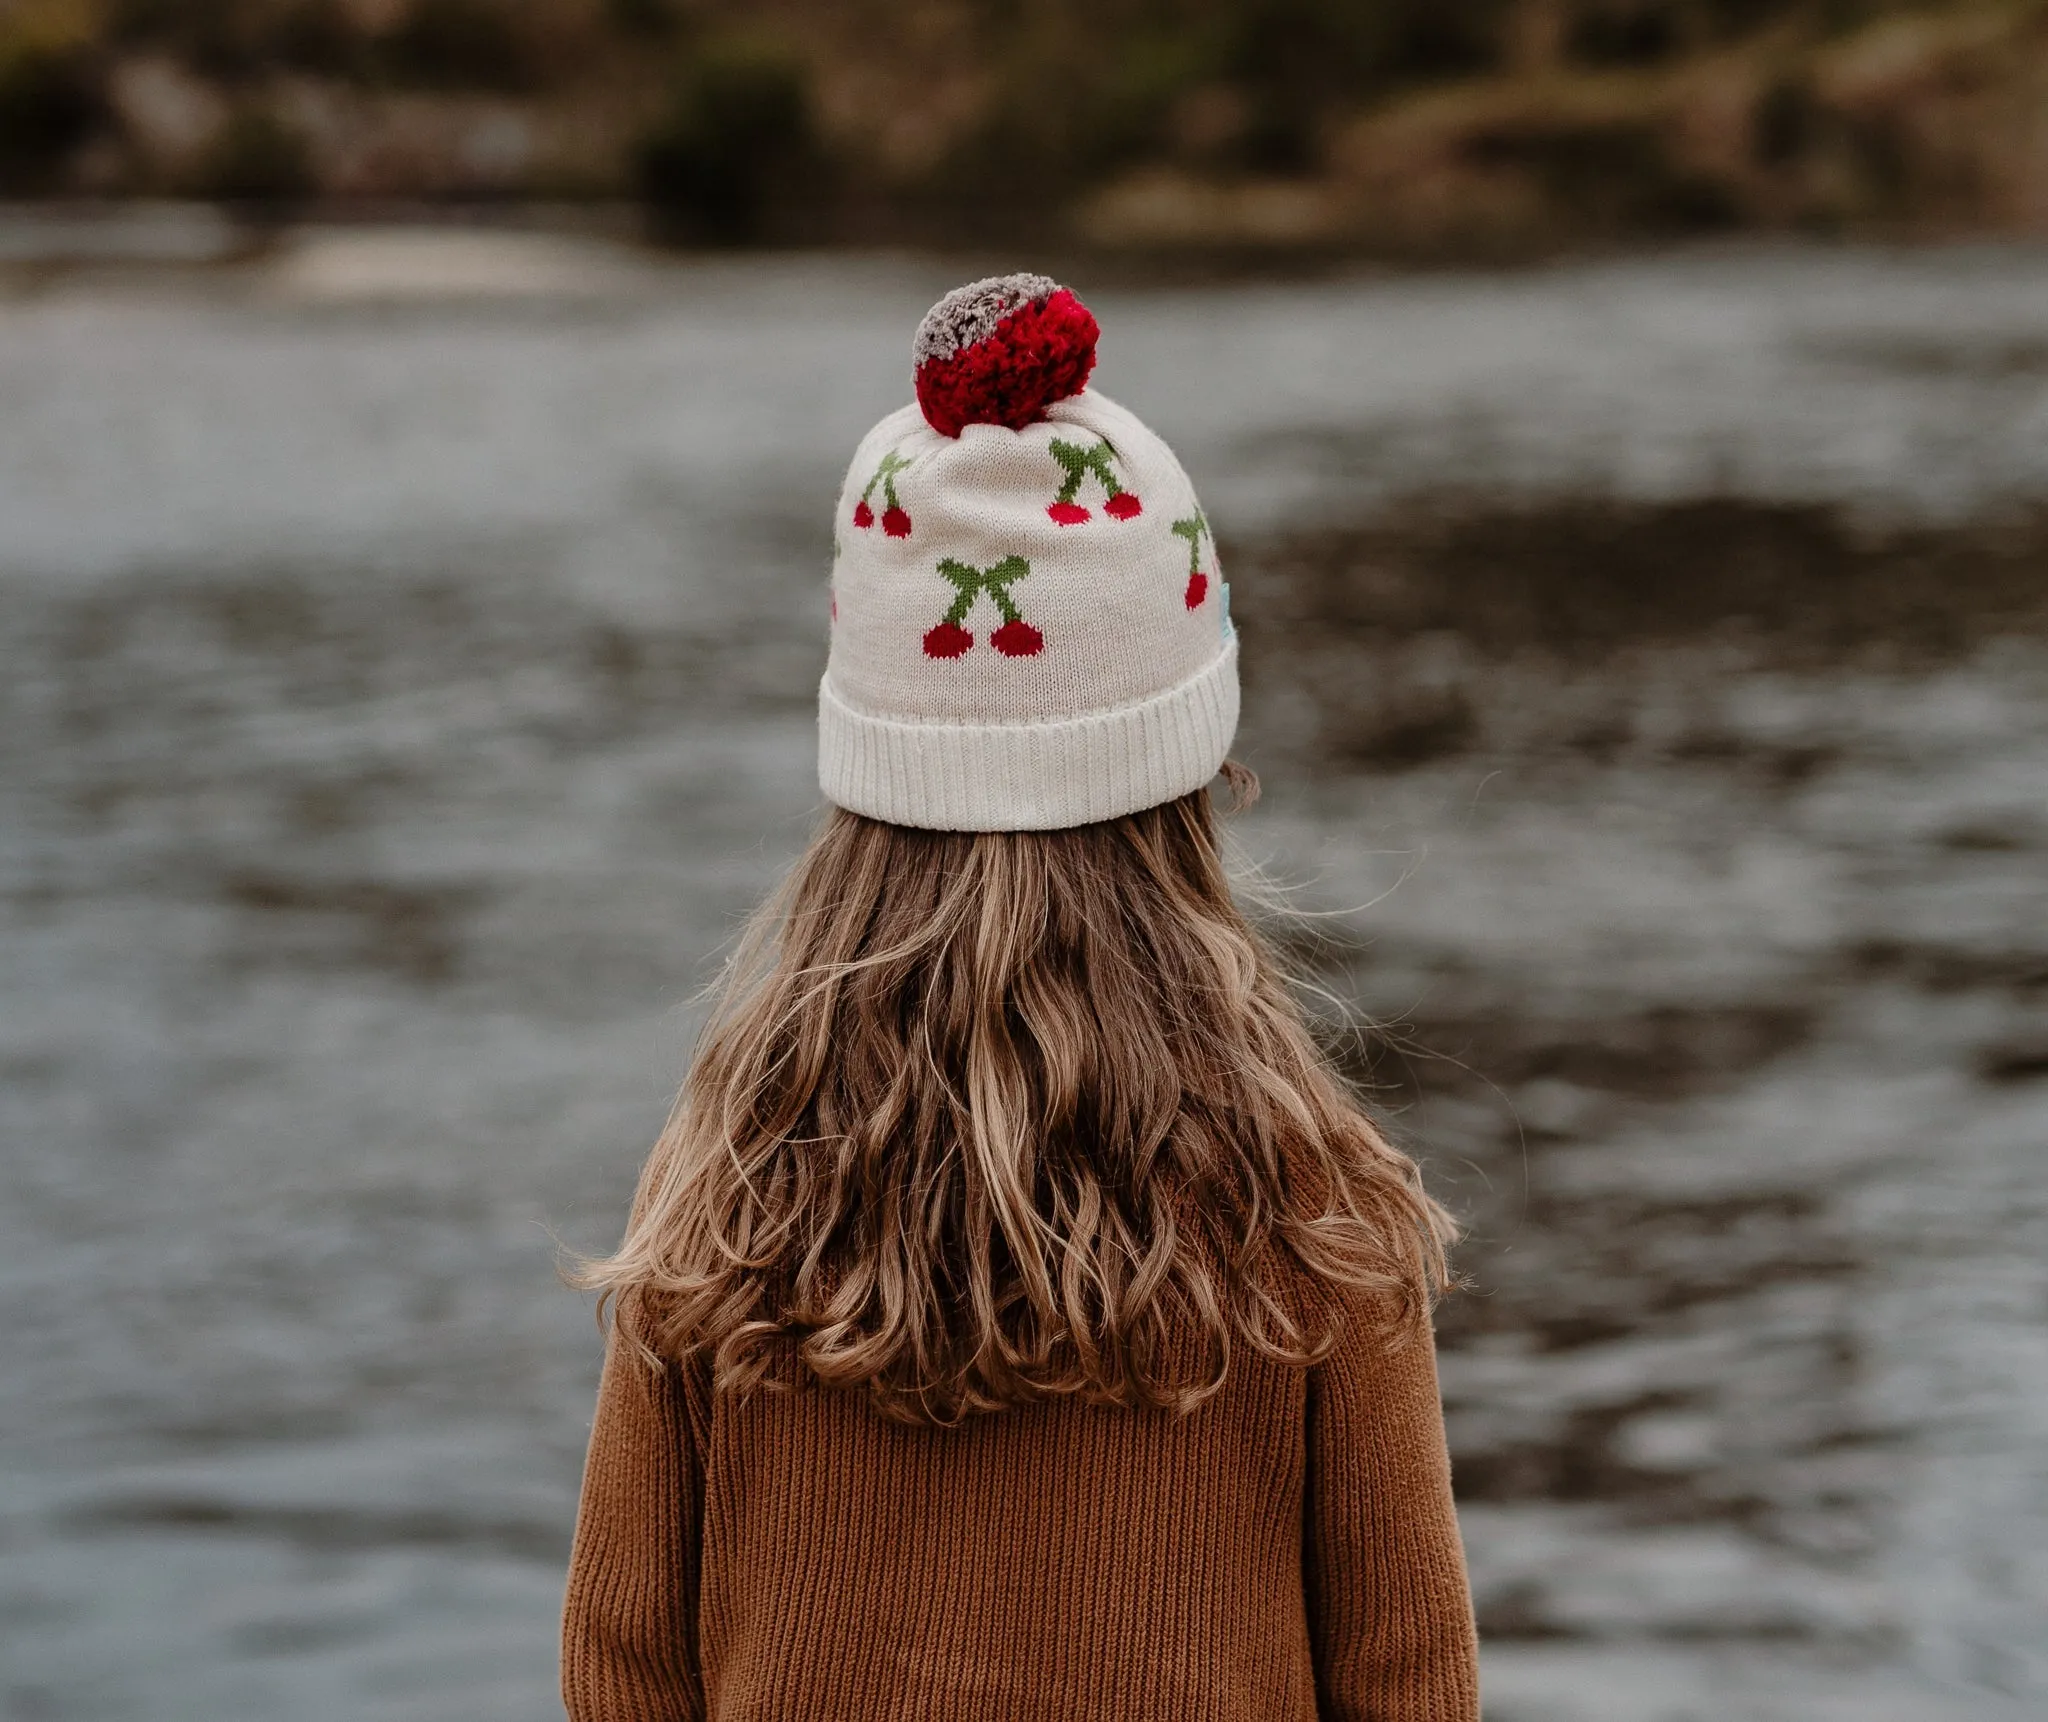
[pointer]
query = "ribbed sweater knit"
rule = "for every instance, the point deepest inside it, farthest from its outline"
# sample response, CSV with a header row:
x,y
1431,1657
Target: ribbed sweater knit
x,y
1286,1551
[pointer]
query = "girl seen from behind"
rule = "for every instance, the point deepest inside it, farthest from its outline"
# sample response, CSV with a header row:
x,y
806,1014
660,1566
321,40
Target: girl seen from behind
x,y
1018,1319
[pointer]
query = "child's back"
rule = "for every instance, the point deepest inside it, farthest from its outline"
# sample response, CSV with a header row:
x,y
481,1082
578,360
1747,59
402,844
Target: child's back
x,y
1018,1319
1286,1551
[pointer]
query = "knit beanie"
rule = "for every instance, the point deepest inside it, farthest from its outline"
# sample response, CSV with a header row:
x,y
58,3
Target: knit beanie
x,y
1029,627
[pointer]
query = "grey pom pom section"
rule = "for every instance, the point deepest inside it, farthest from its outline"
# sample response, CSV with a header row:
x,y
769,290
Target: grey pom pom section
x,y
970,314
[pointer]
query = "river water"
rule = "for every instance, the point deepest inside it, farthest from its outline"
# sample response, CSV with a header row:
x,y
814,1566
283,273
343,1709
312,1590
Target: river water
x,y
406,648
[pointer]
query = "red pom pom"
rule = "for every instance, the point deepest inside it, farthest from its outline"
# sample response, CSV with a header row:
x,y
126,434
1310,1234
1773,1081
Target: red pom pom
x,y
1000,352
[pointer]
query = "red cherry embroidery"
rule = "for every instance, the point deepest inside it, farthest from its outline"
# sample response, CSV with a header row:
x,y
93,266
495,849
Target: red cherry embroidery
x,y
1194,529
1079,463
948,640
1014,639
894,521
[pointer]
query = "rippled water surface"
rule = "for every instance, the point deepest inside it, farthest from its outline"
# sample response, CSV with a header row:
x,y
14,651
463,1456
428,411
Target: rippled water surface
x,y
406,648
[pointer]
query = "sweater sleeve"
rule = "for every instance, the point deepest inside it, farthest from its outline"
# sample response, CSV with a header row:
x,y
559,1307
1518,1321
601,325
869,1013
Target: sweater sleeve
x,y
1390,1610
629,1620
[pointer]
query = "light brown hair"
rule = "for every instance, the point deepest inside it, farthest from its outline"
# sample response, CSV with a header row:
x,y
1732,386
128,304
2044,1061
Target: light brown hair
x,y
987,1117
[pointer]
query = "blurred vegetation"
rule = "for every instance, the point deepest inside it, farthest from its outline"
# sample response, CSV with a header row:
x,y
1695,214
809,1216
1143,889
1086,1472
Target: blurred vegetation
x,y
735,158
1426,126
260,159
49,96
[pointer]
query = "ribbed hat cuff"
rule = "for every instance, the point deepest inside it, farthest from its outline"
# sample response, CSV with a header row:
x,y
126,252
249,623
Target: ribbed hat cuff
x,y
1029,776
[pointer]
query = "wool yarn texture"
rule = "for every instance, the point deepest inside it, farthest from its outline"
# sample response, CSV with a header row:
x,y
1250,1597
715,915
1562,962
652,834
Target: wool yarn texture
x,y
1030,629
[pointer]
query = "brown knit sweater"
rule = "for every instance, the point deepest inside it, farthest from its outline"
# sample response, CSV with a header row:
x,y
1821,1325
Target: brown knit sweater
x,y
1287,1551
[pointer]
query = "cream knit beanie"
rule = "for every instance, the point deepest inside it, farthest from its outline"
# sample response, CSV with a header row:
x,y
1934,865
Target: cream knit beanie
x,y
1029,627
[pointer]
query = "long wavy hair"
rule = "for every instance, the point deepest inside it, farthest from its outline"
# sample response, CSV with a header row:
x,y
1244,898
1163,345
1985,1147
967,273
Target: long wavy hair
x,y
983,1118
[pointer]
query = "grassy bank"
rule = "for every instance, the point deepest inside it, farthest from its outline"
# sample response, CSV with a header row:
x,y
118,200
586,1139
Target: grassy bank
x,y
1418,127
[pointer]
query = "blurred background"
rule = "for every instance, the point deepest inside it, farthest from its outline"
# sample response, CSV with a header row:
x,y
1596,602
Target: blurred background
x,y
1627,426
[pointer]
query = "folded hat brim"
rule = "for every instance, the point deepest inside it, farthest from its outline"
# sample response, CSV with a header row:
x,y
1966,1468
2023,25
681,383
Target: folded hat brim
x,y
1039,776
